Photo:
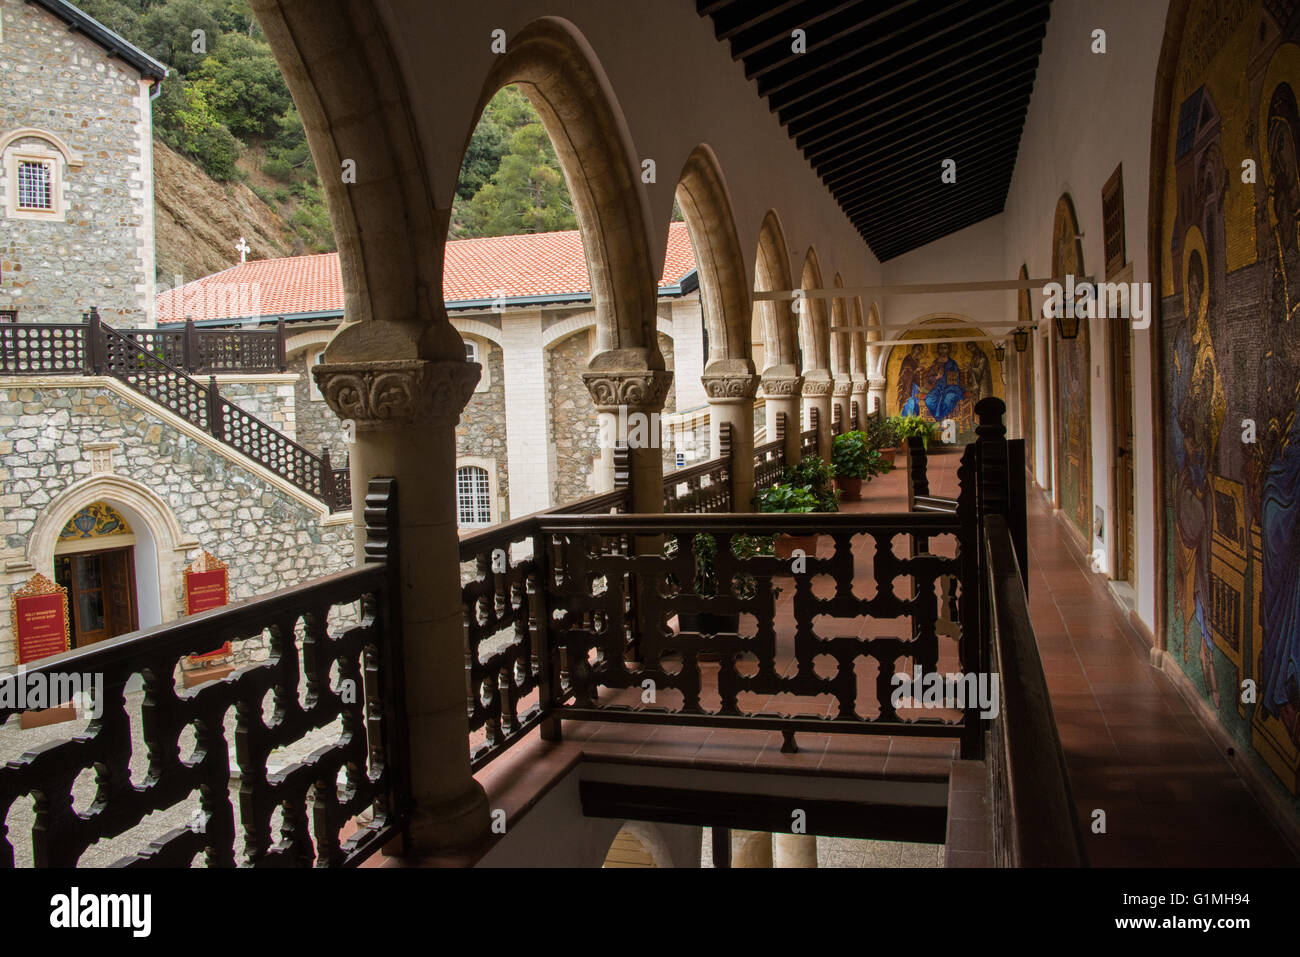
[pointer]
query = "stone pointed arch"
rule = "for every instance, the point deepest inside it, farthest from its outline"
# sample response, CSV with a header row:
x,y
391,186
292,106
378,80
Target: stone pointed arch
x,y
724,282
152,519
814,319
776,320
340,69
858,342
840,342
558,72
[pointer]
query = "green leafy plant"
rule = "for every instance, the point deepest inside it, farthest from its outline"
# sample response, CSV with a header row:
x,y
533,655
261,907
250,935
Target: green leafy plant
x,y
854,457
787,498
882,433
906,426
817,477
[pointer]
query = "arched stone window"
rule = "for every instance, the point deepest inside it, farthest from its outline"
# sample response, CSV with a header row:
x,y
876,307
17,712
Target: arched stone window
x,y
33,162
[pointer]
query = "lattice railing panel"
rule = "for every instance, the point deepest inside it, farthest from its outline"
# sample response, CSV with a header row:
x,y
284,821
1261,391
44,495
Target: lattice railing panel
x,y
271,449
153,378
168,345
238,350
829,610
42,349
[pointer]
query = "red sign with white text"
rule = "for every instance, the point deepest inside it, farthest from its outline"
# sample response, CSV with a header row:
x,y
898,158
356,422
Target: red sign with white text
x,y
204,591
42,625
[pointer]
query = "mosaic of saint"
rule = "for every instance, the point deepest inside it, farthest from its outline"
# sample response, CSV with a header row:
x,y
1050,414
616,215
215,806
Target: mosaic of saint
x,y
1073,400
1231,292
942,380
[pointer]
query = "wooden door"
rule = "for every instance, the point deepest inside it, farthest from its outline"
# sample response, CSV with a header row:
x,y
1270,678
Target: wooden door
x,y
101,592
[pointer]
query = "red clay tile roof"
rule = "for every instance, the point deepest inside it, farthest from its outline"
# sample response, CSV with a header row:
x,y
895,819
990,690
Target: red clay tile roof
x,y
536,264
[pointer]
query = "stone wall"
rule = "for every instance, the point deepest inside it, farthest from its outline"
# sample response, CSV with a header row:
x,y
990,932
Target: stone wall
x,y
271,398
577,436
317,425
482,429
101,252
269,538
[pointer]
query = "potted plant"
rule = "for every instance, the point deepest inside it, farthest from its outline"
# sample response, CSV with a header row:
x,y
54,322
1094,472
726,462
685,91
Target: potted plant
x,y
789,499
854,460
906,426
883,437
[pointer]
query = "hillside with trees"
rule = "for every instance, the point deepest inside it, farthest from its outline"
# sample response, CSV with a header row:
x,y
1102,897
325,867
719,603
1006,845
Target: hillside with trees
x,y
234,139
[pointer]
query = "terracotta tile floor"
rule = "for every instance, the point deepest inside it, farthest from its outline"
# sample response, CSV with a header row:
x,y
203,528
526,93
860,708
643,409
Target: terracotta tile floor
x,y
1133,746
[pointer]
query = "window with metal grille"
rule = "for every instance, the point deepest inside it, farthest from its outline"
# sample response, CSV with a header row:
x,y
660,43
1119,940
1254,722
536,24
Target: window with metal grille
x,y
471,351
1112,218
473,496
35,185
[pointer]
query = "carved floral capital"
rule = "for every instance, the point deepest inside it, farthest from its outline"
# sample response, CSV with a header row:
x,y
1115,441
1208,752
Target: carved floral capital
x,y
381,395
818,386
638,390
843,388
722,388
782,385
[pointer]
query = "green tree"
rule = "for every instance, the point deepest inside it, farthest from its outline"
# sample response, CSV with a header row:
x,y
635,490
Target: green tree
x,y
526,192
248,91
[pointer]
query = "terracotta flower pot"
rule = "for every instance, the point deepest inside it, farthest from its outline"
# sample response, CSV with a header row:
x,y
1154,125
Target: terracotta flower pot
x,y
786,545
887,457
850,488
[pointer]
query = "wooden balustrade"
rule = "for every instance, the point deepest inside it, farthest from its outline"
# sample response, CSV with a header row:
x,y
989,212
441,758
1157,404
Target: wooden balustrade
x,y
333,679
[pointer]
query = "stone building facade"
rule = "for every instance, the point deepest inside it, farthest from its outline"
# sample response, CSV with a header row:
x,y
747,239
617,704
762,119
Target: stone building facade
x,y
76,168
67,443
522,305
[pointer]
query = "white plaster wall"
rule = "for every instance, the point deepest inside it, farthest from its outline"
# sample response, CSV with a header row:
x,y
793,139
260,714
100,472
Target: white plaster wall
x,y
1089,113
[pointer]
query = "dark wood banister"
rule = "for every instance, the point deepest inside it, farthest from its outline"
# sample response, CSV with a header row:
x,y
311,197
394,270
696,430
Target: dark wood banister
x,y
1034,811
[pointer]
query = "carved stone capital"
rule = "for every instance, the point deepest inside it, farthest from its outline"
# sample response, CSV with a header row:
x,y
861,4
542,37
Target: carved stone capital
x,y
782,385
843,388
859,386
381,395
730,388
641,390
818,386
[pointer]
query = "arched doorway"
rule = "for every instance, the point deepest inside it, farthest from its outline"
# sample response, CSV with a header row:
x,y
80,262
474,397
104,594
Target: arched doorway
x,y
95,560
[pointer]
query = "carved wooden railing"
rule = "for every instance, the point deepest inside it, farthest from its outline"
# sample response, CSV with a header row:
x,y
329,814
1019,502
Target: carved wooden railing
x,y
855,417
203,406
664,582
705,487
808,438
1034,814
357,780
919,498
769,464
837,419
503,596
81,348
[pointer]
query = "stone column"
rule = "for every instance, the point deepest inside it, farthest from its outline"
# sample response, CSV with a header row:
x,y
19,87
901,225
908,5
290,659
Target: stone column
x,y
781,393
817,388
840,398
794,850
751,849
405,412
632,400
876,393
731,400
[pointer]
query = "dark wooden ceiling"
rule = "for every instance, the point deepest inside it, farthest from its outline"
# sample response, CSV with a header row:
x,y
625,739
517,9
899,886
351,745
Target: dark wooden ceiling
x,y
887,90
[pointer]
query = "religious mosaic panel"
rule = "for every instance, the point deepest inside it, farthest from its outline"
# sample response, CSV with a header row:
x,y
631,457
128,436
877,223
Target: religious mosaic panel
x,y
1230,272
1072,384
943,380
